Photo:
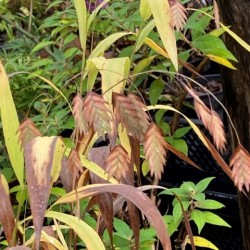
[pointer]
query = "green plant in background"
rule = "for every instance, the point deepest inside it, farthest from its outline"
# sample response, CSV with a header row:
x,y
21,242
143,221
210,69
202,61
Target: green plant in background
x,y
190,203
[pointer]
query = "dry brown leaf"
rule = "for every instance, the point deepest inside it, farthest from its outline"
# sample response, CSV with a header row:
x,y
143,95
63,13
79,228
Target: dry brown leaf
x,y
178,14
43,159
7,217
118,163
240,163
104,201
154,150
28,131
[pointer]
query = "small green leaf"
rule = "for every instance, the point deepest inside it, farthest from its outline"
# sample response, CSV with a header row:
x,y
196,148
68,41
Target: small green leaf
x,y
41,45
202,185
175,191
122,229
188,186
145,167
200,197
155,90
180,132
181,145
214,219
199,219
210,204
177,212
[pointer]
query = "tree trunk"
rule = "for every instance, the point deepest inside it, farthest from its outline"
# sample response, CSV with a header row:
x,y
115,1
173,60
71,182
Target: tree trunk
x,y
236,13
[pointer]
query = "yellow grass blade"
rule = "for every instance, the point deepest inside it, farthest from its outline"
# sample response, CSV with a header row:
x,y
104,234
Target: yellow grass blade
x,y
10,125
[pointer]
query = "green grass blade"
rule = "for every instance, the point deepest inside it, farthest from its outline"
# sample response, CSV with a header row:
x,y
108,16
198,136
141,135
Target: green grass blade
x,y
10,125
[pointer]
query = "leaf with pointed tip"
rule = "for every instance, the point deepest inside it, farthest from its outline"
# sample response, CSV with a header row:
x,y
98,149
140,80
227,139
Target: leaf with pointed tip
x,y
154,150
162,16
240,162
7,218
10,125
28,132
145,205
43,156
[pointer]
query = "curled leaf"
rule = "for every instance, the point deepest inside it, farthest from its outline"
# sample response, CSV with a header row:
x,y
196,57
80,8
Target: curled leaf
x,y
240,162
154,150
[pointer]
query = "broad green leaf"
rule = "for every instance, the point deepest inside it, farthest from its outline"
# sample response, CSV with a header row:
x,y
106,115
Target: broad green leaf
x,y
210,204
202,242
188,186
41,45
123,229
222,61
202,185
180,132
181,145
10,124
86,233
231,33
131,193
214,219
177,211
155,90
212,45
114,74
144,34
106,43
199,219
145,10
161,14
200,197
